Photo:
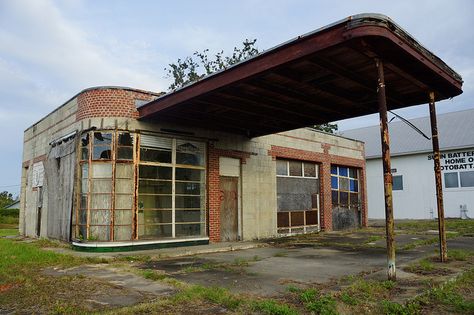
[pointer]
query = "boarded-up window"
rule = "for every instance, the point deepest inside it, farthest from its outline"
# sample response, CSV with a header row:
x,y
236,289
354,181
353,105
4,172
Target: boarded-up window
x,y
297,196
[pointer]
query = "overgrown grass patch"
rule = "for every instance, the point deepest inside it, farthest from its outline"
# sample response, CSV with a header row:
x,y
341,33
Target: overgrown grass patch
x,y
272,307
216,295
462,227
460,254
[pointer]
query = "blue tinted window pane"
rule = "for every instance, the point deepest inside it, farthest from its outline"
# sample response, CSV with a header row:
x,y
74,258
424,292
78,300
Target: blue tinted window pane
x,y
343,171
334,170
397,183
354,185
334,182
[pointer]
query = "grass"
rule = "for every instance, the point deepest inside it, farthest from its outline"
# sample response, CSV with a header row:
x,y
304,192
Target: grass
x,y
419,243
8,232
152,275
460,254
462,227
271,307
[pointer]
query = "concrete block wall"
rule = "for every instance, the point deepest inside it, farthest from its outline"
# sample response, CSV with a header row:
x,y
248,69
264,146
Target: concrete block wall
x,y
114,108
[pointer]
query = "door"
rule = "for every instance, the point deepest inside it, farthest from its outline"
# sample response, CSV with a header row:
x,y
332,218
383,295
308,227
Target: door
x,y
228,189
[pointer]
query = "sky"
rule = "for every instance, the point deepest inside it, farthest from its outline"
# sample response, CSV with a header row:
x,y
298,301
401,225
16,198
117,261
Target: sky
x,y
51,50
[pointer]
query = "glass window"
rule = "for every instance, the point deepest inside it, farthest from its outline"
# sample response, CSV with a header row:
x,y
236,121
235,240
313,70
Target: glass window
x,y
282,167
189,174
343,171
343,183
155,172
189,153
334,170
354,185
334,182
467,179
309,170
353,173
155,155
397,182
451,180
295,168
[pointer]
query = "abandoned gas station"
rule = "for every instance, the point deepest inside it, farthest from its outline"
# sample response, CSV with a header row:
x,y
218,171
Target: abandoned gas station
x,y
229,157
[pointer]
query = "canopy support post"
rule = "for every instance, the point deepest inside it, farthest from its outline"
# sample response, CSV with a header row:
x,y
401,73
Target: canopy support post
x,y
443,253
387,172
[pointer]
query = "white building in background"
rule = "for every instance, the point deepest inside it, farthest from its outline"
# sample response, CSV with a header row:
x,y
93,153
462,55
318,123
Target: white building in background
x,y
414,195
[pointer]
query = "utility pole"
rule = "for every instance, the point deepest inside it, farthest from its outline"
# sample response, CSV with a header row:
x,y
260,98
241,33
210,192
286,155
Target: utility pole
x,y
443,252
387,172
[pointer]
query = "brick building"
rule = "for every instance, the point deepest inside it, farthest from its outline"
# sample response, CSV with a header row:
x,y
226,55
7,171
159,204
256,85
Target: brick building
x,y
95,174
226,158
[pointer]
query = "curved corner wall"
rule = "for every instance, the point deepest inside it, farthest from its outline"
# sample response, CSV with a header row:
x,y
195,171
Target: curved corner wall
x,y
110,102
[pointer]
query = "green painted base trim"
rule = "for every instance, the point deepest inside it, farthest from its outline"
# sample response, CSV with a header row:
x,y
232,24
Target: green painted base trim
x,y
128,248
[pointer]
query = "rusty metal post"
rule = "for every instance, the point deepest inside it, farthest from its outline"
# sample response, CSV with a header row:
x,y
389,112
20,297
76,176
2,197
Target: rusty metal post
x,y
387,172
443,253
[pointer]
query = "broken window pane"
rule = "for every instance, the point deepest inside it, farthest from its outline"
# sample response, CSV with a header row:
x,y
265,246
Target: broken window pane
x,y
101,153
85,153
85,140
102,138
282,167
189,153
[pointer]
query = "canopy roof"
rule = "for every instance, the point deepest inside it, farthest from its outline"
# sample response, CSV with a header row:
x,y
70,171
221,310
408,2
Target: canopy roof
x,y
323,76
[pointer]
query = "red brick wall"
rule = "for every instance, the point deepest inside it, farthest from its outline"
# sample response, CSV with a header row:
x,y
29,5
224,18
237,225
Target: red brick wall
x,y
325,160
109,102
213,201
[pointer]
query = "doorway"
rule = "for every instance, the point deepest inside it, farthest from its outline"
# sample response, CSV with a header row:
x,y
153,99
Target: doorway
x,y
229,192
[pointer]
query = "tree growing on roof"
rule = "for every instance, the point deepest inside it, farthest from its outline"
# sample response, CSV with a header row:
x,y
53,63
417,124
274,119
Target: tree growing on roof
x,y
327,127
193,68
